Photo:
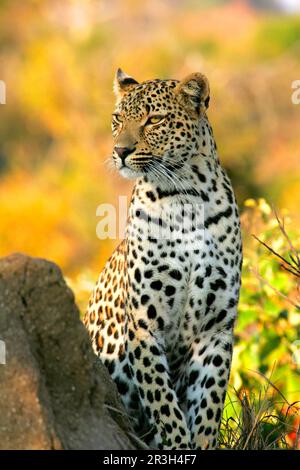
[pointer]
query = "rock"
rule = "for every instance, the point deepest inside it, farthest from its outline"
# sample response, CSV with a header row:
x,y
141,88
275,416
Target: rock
x,y
54,392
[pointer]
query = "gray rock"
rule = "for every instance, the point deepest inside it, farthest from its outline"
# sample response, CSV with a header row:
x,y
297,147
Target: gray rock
x,y
54,392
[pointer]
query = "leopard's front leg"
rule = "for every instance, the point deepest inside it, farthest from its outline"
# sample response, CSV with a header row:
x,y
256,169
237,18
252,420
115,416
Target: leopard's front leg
x,y
151,375
207,378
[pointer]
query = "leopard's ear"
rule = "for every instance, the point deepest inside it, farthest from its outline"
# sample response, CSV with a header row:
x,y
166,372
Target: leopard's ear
x,y
193,93
123,83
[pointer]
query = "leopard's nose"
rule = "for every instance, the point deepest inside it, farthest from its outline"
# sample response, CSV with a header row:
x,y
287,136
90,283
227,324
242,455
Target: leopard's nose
x,y
123,152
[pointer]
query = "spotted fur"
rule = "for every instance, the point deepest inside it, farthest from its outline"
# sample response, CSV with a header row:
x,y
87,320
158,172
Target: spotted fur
x,y
162,313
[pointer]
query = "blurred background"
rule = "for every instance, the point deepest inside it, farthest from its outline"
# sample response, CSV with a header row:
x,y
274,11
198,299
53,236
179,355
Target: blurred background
x,y
58,60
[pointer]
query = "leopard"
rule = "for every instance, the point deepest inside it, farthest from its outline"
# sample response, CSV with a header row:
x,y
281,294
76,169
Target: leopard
x,y
161,316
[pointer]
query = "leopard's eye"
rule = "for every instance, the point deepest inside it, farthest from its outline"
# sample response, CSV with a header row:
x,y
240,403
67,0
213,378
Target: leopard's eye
x,y
154,120
117,118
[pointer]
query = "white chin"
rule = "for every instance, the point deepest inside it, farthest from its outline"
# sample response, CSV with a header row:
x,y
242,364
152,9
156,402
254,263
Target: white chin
x,y
128,173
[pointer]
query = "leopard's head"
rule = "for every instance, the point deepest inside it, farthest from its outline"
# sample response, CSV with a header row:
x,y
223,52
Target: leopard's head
x,y
155,124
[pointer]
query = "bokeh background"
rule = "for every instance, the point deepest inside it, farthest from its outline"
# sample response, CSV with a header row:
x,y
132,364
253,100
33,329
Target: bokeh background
x,y
58,59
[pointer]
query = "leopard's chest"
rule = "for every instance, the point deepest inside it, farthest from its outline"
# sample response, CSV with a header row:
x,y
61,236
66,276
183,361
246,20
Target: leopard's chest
x,y
182,255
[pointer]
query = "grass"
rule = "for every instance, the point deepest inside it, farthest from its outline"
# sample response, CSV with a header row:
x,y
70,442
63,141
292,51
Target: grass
x,y
263,421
